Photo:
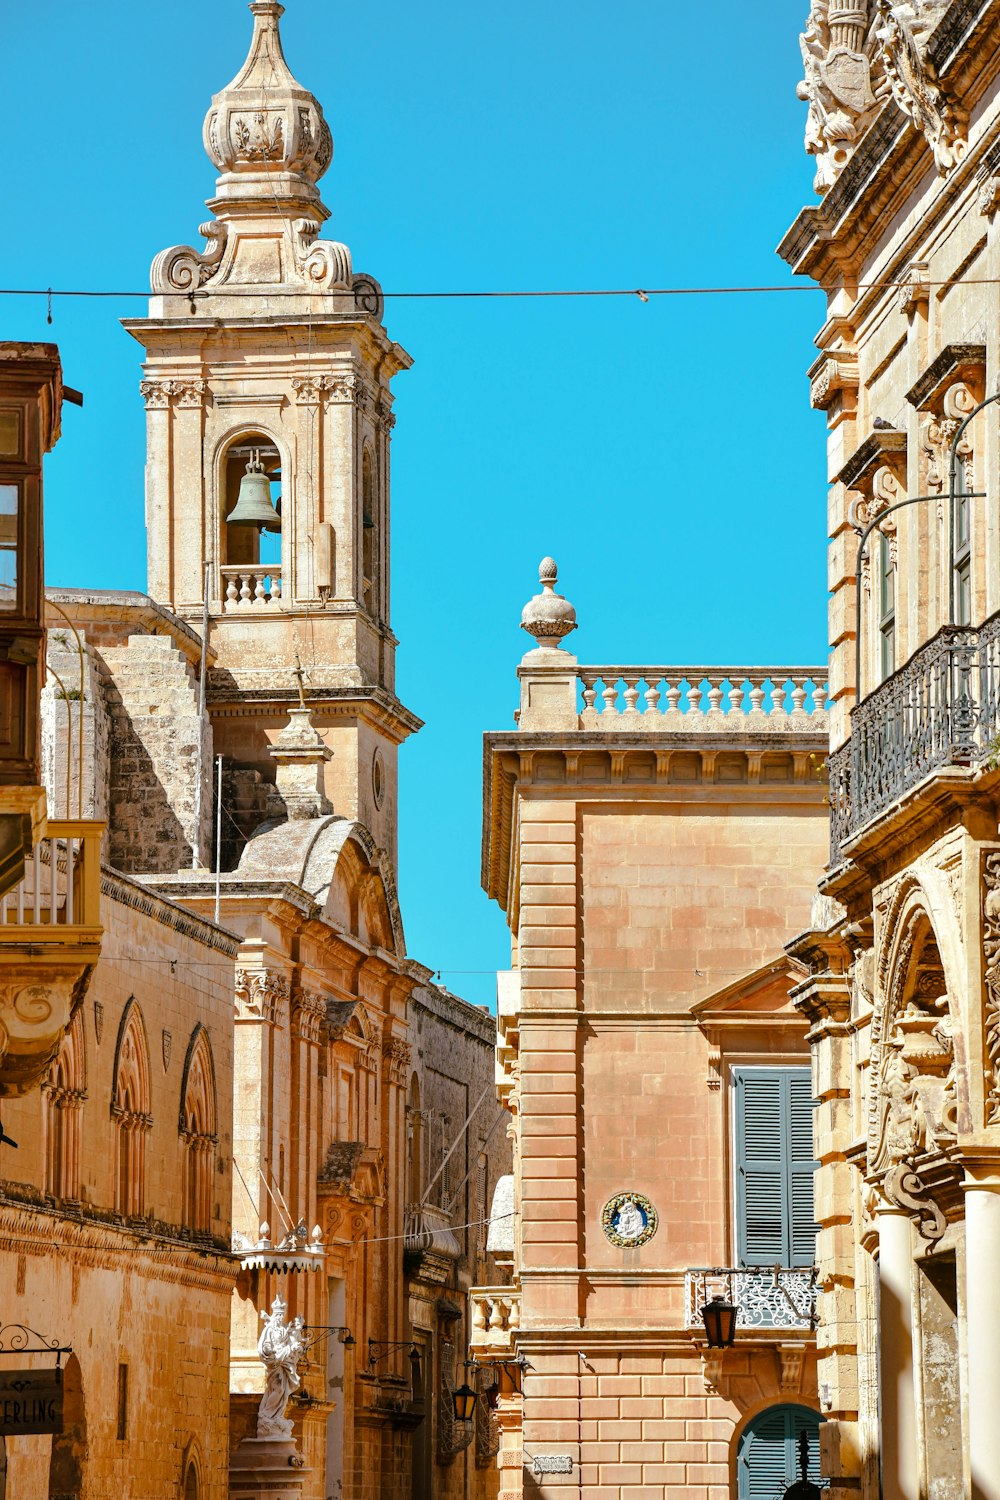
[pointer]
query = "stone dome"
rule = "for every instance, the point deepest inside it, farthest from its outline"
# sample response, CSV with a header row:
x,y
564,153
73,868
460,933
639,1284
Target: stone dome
x,y
264,131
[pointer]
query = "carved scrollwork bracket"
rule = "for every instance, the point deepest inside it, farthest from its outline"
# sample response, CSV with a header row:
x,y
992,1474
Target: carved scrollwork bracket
x,y
325,264
184,269
905,1188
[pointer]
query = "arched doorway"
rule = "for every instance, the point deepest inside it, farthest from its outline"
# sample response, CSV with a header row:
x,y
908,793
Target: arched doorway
x,y
767,1459
69,1447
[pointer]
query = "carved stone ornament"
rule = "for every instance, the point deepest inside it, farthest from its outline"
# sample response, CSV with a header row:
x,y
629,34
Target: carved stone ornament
x,y
167,1046
904,1188
914,288
548,616
903,30
991,978
838,86
837,372
184,269
629,1219
259,994
937,434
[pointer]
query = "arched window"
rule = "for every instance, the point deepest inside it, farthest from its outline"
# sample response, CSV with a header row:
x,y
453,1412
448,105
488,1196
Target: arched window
x,y
191,1473
369,534
199,1131
131,1109
768,1455
64,1092
250,555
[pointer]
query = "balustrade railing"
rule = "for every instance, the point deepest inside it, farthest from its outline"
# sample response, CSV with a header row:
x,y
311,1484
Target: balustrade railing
x,y
496,1317
251,586
764,1296
697,699
61,887
942,708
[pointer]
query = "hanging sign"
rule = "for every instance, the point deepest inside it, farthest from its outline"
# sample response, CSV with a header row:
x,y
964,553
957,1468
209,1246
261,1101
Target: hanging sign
x,y
30,1401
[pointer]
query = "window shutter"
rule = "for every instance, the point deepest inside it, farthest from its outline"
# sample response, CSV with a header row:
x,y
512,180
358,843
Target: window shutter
x,y
801,1166
761,1186
774,1167
763,1459
768,1460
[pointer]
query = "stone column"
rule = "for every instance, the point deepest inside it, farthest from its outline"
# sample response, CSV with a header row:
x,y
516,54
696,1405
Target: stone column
x,y
899,1419
825,1000
982,1258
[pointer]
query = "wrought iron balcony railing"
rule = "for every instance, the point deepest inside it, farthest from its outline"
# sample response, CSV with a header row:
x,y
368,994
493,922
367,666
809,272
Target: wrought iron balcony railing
x,y
941,709
776,1297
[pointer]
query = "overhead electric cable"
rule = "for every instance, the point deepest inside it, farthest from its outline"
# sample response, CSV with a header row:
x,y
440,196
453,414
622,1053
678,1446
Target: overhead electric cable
x,y
643,293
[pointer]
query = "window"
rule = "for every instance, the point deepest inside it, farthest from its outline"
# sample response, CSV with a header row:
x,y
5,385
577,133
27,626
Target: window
x,y
198,1131
64,1092
122,1405
369,536
774,1167
9,501
963,546
130,1109
768,1455
886,608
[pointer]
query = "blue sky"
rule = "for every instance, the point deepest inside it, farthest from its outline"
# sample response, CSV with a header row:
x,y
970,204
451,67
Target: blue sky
x,y
665,453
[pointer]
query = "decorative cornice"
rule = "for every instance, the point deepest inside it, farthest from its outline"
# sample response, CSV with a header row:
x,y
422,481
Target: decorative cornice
x,y
955,362
89,1238
872,452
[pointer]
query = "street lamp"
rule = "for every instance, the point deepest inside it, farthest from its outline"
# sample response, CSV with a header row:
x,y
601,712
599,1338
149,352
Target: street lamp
x,y
464,1401
719,1317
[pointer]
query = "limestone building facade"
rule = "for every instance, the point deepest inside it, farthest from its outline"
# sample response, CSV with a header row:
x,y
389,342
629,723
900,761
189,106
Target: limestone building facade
x,y
901,995
653,835
236,730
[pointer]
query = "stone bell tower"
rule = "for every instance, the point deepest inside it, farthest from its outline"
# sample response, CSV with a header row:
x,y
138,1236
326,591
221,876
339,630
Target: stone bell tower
x,y
266,352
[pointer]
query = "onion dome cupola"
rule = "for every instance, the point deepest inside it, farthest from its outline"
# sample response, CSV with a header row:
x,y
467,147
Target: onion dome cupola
x,y
264,131
268,139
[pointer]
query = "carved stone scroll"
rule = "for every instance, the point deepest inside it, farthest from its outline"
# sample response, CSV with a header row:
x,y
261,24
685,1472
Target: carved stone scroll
x,y
991,978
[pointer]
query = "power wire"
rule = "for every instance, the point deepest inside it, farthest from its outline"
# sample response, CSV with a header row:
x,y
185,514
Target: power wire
x,y
642,293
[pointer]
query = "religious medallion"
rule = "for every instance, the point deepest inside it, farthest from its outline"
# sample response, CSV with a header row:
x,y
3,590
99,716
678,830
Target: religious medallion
x,y
629,1219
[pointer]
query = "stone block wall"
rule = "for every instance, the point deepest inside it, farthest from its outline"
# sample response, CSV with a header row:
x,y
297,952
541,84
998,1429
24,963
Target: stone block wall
x,y
146,1293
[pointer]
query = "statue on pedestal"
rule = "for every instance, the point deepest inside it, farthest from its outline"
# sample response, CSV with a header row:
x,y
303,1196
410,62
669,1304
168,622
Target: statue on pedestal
x,y
280,1347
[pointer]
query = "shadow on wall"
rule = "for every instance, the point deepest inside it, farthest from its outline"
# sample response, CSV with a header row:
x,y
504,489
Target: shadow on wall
x,y
146,835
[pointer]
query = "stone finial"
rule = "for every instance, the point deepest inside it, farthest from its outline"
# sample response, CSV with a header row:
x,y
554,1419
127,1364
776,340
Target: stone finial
x,y
300,754
264,132
548,616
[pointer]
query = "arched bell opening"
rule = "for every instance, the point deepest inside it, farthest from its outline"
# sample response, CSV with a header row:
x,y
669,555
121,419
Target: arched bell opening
x,y
250,505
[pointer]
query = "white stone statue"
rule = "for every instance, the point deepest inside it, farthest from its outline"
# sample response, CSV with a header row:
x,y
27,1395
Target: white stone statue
x,y
630,1222
280,1347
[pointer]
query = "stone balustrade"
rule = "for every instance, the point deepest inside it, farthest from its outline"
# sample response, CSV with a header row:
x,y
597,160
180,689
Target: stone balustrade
x,y
251,586
61,885
496,1317
696,699
50,941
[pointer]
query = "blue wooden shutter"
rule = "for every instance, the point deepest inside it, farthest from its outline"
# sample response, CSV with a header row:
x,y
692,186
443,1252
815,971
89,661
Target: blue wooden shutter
x,y
801,1167
774,1167
768,1458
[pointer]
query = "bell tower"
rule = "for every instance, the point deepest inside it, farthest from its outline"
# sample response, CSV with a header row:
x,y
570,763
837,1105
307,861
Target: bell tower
x,y
269,412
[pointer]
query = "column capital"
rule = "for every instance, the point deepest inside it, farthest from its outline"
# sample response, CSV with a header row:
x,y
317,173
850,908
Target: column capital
x,y
981,1165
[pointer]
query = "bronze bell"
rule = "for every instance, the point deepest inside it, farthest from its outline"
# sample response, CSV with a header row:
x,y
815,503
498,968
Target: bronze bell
x,y
253,507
